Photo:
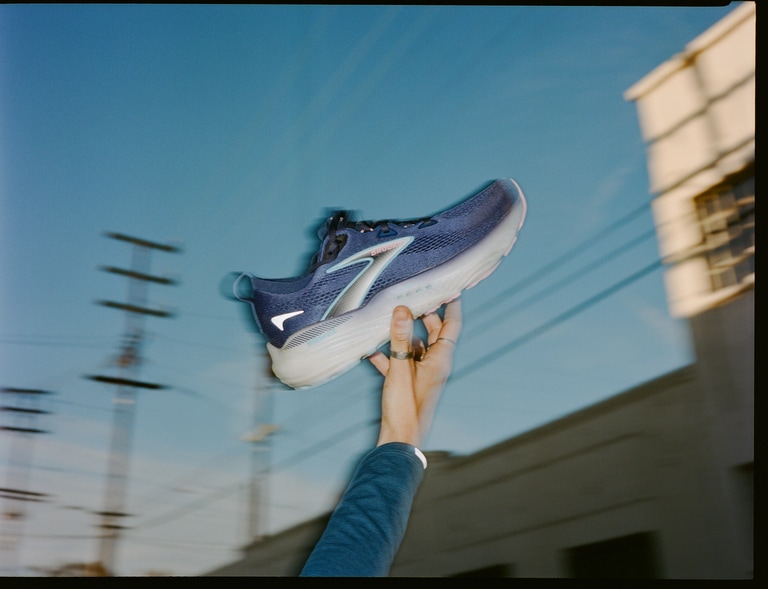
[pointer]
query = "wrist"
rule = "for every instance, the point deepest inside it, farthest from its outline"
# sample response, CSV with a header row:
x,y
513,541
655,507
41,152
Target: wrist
x,y
387,436
406,448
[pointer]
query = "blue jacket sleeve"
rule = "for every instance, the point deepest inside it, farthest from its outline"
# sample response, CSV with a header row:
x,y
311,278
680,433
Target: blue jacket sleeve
x,y
366,528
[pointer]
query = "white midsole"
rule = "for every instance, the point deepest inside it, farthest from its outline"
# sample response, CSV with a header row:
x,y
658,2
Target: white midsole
x,y
334,352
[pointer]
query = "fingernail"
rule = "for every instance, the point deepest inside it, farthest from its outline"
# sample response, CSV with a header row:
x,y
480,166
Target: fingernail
x,y
402,317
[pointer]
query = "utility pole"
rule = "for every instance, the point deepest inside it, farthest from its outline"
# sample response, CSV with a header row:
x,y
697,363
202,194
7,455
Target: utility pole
x,y
15,493
126,386
259,439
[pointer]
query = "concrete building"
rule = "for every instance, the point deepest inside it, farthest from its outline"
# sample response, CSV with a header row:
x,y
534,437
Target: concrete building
x,y
697,115
657,481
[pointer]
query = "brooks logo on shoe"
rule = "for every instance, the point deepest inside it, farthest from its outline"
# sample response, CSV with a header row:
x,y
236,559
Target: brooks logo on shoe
x,y
376,259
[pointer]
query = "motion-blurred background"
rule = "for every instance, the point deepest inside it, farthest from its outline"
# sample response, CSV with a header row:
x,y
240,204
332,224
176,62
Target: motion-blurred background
x,y
600,412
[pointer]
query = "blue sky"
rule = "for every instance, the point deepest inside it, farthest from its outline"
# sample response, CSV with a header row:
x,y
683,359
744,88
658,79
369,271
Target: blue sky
x,y
230,130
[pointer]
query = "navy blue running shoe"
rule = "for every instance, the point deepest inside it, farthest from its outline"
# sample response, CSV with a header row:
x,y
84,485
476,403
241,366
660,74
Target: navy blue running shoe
x,y
321,324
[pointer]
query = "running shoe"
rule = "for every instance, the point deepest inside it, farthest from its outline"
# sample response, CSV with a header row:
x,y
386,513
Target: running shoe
x,y
323,323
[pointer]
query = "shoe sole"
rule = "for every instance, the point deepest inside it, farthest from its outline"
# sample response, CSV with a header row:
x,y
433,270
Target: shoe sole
x,y
319,353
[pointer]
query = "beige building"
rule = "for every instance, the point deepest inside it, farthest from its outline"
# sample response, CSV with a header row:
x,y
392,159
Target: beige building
x,y
657,481
697,114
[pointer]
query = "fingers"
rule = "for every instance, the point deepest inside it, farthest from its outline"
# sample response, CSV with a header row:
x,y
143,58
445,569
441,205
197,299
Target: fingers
x,y
380,362
401,334
452,321
447,328
399,414
433,324
401,331
415,373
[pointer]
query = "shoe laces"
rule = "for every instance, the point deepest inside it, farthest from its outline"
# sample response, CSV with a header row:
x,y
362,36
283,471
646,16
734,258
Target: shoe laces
x,y
334,233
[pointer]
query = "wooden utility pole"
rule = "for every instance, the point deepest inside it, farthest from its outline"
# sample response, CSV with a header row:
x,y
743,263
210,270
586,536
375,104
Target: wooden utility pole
x,y
23,405
126,385
260,448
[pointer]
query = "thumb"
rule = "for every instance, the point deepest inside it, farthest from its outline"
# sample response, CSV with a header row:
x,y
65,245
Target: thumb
x,y
401,330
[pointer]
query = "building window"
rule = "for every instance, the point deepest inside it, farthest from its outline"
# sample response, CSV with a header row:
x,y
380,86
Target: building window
x,y
628,557
727,217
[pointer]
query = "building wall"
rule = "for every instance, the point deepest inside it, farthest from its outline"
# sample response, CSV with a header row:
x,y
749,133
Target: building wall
x,y
601,473
279,555
697,116
632,465
724,344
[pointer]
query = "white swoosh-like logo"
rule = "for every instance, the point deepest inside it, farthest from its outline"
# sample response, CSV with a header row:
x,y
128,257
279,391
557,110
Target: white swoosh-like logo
x,y
279,320
376,259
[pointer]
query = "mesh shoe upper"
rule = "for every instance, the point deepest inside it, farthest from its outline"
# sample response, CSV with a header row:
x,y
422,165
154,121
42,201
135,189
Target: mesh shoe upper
x,y
357,260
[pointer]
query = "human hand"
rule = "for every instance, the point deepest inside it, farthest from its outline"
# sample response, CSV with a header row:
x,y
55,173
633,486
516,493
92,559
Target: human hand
x,y
412,386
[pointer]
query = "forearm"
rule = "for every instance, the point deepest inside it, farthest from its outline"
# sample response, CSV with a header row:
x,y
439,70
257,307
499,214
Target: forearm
x,y
366,528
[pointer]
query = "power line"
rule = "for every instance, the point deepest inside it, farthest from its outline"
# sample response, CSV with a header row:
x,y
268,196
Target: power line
x,y
181,544
229,454
41,341
561,260
234,487
544,327
194,475
232,453
206,345
544,292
